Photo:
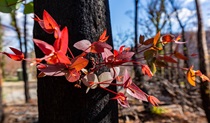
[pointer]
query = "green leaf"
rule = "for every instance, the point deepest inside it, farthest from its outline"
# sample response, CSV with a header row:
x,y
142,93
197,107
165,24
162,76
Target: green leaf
x,y
7,6
29,8
4,7
153,68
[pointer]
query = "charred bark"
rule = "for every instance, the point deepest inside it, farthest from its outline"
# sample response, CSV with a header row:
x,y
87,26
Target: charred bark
x,y
58,100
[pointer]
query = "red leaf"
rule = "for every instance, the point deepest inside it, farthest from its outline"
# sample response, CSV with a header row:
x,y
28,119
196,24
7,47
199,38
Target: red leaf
x,y
61,43
49,23
63,58
72,75
103,37
18,56
131,88
146,70
167,59
180,56
44,47
52,70
194,54
153,100
121,99
167,38
98,47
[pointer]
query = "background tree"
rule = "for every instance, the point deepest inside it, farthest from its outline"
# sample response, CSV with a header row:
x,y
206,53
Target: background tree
x,y
1,73
59,100
24,50
204,61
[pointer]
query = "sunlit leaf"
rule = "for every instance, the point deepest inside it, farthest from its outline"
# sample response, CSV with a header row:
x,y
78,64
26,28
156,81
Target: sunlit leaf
x,y
29,7
79,63
72,75
191,76
146,70
83,45
121,99
153,100
105,78
167,39
17,56
103,37
156,38
61,43
44,47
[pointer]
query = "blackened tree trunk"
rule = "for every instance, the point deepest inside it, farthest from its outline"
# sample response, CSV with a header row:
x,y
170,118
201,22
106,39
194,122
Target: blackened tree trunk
x,y
58,100
204,62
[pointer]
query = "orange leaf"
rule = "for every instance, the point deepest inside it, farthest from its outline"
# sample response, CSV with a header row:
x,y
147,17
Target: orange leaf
x,y
153,100
167,38
204,78
191,76
178,38
79,63
146,70
156,38
103,37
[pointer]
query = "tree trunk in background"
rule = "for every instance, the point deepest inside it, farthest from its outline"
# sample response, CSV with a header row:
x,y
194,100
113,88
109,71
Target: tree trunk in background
x,y
58,100
23,63
1,77
204,61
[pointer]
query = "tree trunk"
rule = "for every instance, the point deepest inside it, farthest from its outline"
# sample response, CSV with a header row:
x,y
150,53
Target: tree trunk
x,y
1,77
204,65
58,100
24,64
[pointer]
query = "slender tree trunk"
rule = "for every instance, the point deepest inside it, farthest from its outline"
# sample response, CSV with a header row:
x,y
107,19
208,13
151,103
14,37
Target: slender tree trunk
x,y
1,77
204,62
24,63
58,100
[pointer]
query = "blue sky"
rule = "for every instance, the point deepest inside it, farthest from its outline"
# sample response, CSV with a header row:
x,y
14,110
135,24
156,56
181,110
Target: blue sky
x,y
122,22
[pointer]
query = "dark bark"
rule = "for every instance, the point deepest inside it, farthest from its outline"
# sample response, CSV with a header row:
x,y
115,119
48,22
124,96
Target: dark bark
x,y
24,63
203,63
1,76
58,100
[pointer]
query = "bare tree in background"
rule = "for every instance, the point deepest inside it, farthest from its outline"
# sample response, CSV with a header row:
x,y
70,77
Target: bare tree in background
x,y
23,63
1,76
204,61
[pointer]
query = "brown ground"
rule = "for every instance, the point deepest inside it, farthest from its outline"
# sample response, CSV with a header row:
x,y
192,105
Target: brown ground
x,y
16,111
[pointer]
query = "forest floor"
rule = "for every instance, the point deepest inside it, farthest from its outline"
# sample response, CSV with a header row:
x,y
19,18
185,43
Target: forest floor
x,y
16,111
